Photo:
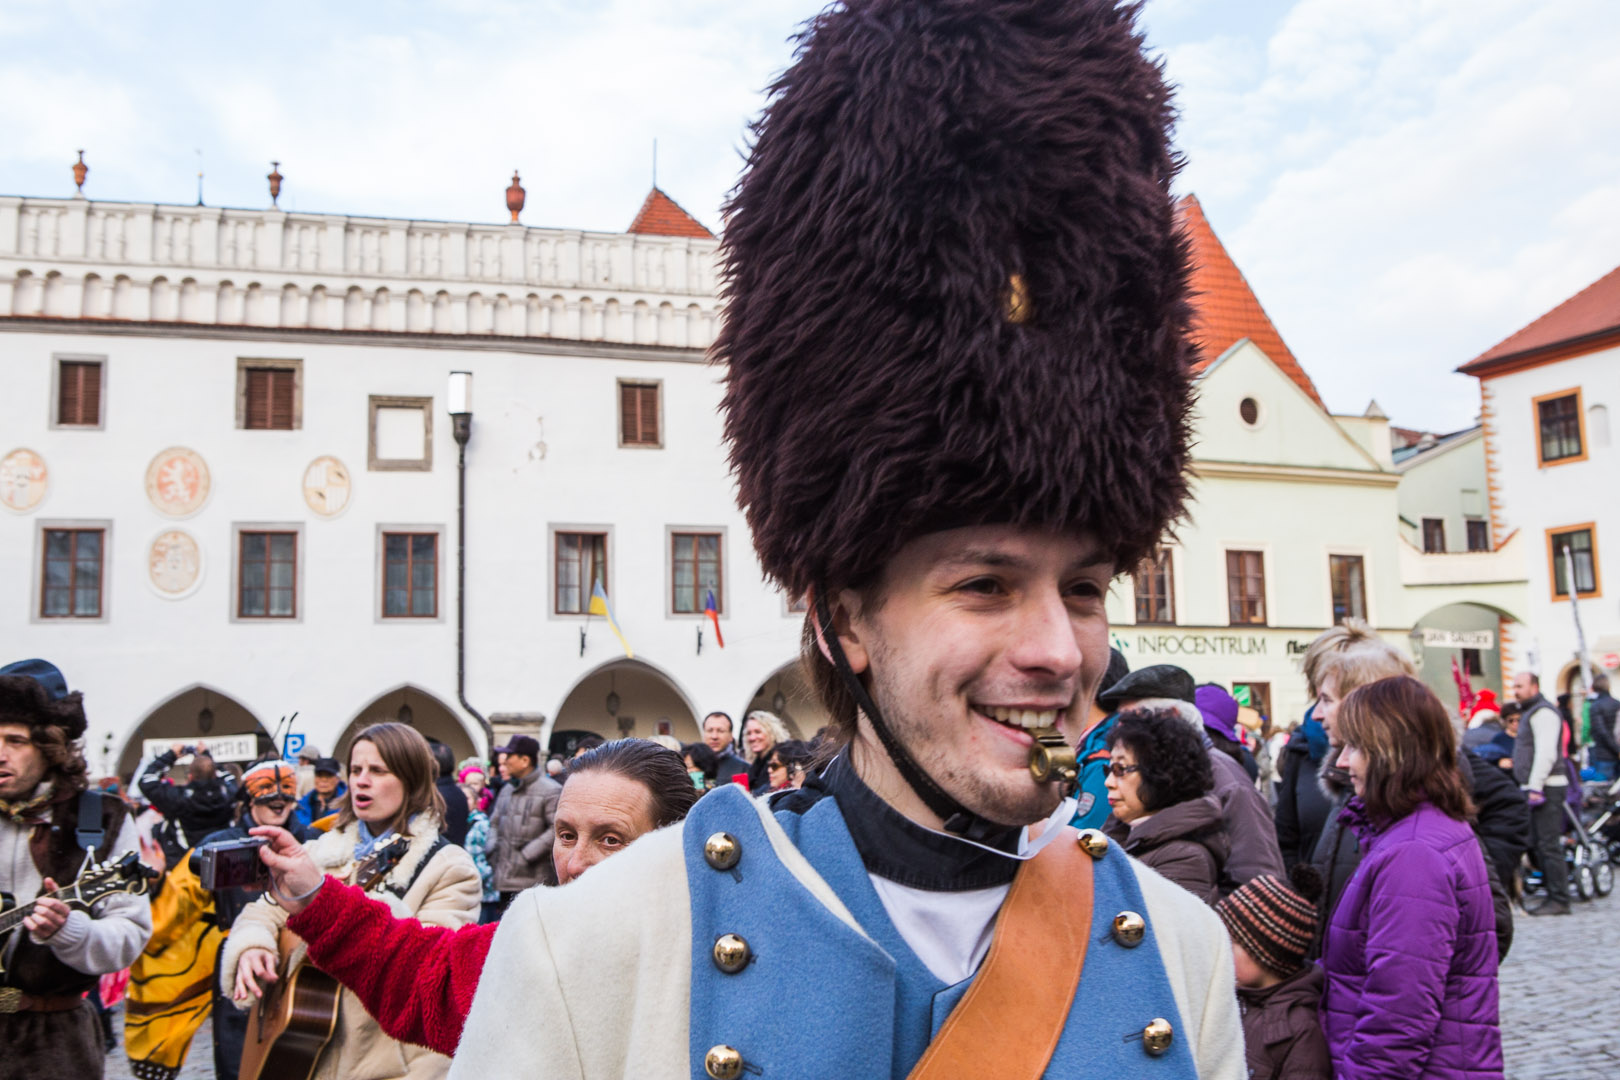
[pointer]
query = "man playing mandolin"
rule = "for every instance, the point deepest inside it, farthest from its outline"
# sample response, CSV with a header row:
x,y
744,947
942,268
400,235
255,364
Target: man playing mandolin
x,y
47,1027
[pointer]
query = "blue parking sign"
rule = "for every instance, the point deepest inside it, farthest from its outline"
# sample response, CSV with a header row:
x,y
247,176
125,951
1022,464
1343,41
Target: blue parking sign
x,y
294,743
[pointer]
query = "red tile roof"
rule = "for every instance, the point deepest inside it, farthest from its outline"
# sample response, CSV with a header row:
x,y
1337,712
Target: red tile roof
x,y
1592,312
1227,309
661,215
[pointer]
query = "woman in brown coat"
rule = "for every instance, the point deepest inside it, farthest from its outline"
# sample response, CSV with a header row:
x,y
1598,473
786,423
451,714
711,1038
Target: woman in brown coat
x,y
1160,789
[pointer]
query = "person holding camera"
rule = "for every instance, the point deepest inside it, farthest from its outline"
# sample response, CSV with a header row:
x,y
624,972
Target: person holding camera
x,y
267,796
203,804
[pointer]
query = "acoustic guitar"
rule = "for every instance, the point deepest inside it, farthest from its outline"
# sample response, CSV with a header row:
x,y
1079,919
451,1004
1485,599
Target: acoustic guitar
x,y
292,1022
125,874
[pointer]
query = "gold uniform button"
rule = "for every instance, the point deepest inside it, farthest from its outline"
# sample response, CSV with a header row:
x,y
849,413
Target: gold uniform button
x,y
1157,1036
723,1063
731,953
1129,929
1093,842
722,851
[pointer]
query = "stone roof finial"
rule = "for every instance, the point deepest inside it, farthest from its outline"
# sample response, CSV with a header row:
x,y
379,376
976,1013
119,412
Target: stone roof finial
x,y
275,179
80,171
514,197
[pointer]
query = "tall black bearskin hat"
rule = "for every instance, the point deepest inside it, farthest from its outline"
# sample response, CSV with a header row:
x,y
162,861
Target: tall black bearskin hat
x,y
33,692
955,289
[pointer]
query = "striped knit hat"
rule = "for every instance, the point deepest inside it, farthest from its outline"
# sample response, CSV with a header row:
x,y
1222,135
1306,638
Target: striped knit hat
x,y
1273,922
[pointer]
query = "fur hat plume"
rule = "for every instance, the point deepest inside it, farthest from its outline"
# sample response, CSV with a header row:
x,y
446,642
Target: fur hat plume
x,y
955,288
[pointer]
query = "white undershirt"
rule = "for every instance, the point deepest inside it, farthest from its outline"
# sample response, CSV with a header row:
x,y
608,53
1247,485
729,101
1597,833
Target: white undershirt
x,y
949,931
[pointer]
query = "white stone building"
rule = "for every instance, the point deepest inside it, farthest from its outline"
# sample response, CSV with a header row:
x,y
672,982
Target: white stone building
x,y
1546,392
230,483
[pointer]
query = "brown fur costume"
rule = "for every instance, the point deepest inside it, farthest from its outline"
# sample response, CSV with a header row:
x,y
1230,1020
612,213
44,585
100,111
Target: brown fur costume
x,y
914,159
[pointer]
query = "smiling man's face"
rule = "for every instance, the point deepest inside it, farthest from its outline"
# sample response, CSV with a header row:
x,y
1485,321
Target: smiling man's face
x,y
980,634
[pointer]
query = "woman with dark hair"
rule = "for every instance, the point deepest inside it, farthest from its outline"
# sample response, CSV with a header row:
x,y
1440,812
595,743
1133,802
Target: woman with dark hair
x,y
615,793
787,764
702,765
1160,788
391,793
1410,951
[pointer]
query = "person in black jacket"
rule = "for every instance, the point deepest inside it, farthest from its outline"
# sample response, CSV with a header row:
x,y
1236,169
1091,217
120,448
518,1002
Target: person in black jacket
x,y
267,795
455,800
203,804
1605,744
1302,808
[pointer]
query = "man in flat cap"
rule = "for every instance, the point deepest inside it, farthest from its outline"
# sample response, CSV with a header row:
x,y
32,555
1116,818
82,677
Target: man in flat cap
x,y
957,406
48,1029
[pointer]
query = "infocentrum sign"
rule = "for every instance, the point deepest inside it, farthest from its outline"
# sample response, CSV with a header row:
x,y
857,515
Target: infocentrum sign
x,y
1200,645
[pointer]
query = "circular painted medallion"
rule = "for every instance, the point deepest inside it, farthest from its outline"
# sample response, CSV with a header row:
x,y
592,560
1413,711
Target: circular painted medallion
x,y
327,486
174,564
23,479
177,481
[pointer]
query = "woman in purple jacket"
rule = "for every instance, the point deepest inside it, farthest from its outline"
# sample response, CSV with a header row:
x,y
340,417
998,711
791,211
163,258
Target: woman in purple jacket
x,y
1410,953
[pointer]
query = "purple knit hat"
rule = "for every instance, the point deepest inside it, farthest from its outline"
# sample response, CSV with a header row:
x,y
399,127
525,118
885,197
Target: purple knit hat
x,y
1219,710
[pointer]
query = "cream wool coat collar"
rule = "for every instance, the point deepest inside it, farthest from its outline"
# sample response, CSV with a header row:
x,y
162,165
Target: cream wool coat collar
x,y
334,851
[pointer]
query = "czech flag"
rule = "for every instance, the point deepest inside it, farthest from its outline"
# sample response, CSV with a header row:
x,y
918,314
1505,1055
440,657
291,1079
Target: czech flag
x,y
712,610
600,606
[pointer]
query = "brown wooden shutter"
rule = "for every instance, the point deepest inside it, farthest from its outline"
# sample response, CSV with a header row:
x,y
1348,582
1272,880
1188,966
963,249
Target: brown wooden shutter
x,y
79,392
629,414
649,414
281,400
256,409
269,399
638,414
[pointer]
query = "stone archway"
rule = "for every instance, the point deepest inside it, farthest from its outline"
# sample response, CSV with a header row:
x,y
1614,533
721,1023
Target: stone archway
x,y
197,712
1478,636
787,693
623,698
413,706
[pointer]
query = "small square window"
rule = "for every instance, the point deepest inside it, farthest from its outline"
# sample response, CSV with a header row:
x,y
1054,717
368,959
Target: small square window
x,y
1479,534
1574,549
269,394
71,577
1348,578
640,414
410,575
1246,588
399,434
1154,603
1434,536
79,386
1560,435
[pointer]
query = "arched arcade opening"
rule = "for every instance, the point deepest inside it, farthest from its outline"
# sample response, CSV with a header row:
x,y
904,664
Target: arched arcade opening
x,y
625,698
197,712
416,708
1465,638
787,693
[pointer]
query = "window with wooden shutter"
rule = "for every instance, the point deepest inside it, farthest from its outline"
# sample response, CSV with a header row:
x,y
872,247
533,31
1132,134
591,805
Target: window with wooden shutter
x,y
639,414
269,405
78,398
1246,588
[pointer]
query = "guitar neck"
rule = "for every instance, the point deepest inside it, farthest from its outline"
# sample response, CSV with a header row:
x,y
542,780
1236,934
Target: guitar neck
x,y
13,918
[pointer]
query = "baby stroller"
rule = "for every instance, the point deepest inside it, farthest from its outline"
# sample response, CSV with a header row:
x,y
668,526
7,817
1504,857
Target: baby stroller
x,y
1602,804
1587,852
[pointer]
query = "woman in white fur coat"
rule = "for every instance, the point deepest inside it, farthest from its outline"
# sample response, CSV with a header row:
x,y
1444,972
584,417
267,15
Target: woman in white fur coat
x,y
390,792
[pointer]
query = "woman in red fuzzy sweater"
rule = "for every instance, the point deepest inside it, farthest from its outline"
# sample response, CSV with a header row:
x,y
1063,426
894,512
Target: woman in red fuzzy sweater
x,y
614,794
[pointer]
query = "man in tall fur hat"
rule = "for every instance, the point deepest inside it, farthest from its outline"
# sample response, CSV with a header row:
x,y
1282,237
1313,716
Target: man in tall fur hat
x,y
48,1028
957,401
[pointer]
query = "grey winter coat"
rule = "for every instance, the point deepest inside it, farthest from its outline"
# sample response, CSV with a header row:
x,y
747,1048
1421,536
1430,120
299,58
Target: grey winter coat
x,y
521,828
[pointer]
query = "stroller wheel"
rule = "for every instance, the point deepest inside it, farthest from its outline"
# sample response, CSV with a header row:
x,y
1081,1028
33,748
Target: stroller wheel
x,y
1585,880
1602,873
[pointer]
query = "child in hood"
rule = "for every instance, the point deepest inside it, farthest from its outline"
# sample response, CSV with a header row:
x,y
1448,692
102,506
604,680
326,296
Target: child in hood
x,y
1272,926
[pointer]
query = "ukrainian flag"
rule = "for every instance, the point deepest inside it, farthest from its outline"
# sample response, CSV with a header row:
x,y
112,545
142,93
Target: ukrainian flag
x,y
600,606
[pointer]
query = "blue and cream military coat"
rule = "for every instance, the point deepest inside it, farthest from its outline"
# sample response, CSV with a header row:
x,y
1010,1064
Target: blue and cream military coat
x,y
768,954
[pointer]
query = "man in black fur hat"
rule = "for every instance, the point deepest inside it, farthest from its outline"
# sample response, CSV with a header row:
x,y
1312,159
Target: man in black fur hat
x,y
47,1027
957,403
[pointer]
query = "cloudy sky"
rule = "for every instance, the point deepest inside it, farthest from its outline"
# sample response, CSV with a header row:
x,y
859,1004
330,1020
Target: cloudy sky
x,y
1405,182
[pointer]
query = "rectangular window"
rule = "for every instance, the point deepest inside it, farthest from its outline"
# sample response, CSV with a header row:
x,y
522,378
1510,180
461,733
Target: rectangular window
x,y
694,572
1574,544
1154,603
267,398
1434,535
410,575
267,575
639,414
1558,421
581,563
71,585
78,393
1479,535
1471,662
1246,587
1349,587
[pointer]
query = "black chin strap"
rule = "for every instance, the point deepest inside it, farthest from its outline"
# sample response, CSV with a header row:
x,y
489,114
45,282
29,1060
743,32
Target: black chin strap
x,y
957,818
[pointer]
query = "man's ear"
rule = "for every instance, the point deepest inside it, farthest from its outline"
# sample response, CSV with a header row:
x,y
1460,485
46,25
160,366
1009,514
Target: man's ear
x,y
849,630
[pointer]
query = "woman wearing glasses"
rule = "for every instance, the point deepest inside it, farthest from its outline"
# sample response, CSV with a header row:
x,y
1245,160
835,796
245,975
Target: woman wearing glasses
x,y
1160,789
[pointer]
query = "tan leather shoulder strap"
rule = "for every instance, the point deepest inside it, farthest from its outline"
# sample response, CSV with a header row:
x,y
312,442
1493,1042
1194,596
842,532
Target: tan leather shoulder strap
x,y
1009,1022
